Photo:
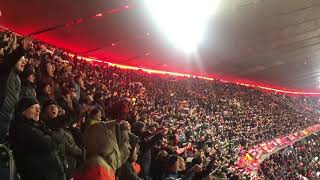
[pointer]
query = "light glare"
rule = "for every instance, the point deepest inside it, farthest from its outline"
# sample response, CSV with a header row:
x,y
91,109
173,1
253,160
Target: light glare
x,y
183,21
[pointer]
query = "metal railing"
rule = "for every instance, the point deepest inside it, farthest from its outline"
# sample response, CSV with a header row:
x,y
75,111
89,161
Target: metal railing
x,y
12,168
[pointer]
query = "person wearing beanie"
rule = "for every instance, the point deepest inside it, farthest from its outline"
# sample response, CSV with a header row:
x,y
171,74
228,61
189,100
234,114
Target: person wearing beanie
x,y
69,152
130,169
28,83
10,89
32,144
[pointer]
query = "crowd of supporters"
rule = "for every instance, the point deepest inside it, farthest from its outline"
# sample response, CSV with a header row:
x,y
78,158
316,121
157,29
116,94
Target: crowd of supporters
x,y
65,118
299,161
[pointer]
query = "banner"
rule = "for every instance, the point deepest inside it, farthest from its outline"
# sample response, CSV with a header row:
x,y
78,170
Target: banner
x,y
251,159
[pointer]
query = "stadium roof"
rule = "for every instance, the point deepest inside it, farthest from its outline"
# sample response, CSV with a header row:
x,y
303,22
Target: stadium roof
x,y
263,41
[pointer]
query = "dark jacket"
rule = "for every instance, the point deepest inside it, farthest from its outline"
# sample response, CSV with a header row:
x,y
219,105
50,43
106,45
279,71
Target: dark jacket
x,y
69,152
11,98
126,172
144,158
28,90
34,151
10,85
71,114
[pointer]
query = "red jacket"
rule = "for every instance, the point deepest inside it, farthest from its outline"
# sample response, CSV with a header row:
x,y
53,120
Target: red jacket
x,y
95,169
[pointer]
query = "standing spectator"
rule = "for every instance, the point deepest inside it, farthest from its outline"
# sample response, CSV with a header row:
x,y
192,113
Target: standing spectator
x,y
47,75
147,141
104,154
70,153
130,169
15,63
33,147
45,93
28,83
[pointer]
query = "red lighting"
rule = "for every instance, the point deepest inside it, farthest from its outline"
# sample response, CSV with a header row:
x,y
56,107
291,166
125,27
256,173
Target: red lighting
x,y
153,71
240,82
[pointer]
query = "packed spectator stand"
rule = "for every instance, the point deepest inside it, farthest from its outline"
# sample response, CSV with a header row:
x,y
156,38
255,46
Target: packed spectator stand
x,y
63,118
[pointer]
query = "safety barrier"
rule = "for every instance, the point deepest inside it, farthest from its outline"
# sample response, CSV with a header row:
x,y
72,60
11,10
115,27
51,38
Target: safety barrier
x,y
12,168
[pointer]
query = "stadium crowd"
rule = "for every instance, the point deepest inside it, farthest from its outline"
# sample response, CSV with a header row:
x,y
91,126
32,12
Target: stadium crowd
x,y
64,117
299,161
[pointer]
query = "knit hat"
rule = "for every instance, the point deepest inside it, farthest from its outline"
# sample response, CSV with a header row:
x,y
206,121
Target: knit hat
x,y
12,58
27,72
25,103
48,103
138,126
172,159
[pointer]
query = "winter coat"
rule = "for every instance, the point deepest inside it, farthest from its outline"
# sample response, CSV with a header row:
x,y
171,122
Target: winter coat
x,y
104,143
95,168
144,158
73,153
126,172
72,114
28,90
69,153
34,150
11,98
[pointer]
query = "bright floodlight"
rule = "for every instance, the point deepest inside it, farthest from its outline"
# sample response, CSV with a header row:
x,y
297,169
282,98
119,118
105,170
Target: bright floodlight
x,y
183,21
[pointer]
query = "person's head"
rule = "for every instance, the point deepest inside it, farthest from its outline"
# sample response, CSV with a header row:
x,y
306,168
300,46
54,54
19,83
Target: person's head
x,y
28,74
51,109
153,127
50,69
173,163
96,114
46,89
21,63
35,61
29,108
139,127
120,109
81,82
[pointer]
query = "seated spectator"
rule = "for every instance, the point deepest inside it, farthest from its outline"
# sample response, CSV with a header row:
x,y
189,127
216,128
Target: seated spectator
x,y
33,146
